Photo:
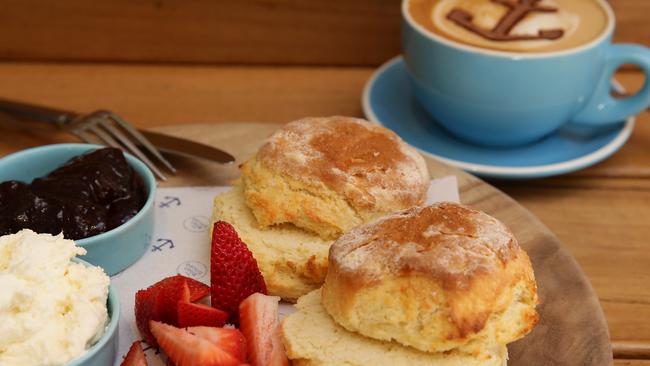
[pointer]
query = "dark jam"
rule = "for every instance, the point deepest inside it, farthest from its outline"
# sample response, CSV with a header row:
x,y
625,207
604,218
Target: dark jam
x,y
88,195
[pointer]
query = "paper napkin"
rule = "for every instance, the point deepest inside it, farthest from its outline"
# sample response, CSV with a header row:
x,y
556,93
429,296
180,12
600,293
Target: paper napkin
x,y
180,244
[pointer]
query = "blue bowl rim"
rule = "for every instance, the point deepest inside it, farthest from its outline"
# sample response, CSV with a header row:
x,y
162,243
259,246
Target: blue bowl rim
x,y
139,166
113,304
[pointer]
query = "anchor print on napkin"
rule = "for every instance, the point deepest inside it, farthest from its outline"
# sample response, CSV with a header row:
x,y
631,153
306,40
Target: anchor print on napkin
x,y
180,244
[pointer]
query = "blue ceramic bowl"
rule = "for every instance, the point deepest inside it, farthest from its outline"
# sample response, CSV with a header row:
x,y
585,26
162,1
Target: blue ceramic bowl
x,y
113,250
104,352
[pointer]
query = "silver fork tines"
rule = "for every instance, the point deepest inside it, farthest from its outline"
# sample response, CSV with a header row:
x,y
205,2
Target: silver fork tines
x,y
107,128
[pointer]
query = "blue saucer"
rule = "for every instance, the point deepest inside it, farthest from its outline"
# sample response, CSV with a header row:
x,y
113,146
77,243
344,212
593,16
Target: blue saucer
x,y
387,100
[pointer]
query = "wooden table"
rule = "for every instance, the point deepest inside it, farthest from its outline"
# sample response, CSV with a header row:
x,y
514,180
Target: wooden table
x,y
602,214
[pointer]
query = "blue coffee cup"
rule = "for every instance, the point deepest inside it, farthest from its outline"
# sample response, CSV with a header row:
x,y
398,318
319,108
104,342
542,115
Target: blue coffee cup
x,y
499,98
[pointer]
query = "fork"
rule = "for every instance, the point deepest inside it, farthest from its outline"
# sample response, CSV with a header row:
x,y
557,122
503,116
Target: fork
x,y
102,126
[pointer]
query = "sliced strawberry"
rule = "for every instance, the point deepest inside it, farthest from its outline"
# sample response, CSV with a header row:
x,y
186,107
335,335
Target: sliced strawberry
x,y
234,273
190,315
147,308
230,340
159,302
198,290
258,321
141,297
186,349
170,295
135,356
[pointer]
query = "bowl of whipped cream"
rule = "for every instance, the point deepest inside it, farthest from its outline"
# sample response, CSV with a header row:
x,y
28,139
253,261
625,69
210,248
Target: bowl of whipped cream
x,y
55,309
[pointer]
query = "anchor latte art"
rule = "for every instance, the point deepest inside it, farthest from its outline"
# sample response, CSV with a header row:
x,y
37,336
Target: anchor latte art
x,y
529,26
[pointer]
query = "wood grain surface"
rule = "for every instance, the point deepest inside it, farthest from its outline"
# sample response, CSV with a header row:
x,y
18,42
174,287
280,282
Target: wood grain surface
x,y
314,32
601,214
631,363
572,323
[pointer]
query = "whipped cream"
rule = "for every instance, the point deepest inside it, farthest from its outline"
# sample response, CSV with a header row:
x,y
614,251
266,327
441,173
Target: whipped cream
x,y
51,309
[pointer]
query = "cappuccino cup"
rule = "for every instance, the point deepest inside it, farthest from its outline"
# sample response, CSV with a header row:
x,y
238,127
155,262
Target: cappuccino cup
x,y
509,72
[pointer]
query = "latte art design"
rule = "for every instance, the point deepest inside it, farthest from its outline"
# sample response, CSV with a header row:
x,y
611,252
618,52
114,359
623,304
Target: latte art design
x,y
518,10
531,24
525,26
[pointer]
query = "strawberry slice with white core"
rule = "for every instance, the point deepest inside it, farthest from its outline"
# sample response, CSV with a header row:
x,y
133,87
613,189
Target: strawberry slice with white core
x,y
230,340
135,356
258,321
186,349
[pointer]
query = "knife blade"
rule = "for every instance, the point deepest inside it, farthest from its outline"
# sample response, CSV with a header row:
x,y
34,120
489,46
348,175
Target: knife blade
x,y
187,148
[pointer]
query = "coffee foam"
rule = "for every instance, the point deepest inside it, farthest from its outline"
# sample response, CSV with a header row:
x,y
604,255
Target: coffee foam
x,y
486,14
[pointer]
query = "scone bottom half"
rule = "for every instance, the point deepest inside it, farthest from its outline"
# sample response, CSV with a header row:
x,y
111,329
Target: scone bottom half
x,y
327,175
292,261
311,337
435,278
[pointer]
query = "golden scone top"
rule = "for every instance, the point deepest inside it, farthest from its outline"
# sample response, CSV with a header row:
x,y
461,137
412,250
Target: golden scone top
x,y
367,163
313,180
435,278
447,241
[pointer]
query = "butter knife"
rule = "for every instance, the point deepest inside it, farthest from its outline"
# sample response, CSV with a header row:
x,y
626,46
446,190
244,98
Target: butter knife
x,y
183,147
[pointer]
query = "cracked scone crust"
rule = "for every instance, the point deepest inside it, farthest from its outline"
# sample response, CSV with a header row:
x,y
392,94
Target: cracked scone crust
x,y
292,261
312,338
435,278
328,175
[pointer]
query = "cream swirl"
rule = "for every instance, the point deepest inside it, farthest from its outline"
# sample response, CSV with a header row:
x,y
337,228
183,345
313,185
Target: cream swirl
x,y
51,309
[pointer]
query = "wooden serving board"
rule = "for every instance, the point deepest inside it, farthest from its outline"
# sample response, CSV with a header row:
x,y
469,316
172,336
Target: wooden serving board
x,y
572,330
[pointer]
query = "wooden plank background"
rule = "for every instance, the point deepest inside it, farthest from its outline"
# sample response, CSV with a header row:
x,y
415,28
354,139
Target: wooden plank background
x,y
312,32
95,39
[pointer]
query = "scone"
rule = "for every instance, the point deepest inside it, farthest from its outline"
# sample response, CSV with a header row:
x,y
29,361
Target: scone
x,y
328,175
312,338
292,261
311,181
434,278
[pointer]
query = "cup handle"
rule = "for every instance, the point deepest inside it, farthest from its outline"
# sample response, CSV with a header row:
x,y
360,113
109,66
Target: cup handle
x,y
602,108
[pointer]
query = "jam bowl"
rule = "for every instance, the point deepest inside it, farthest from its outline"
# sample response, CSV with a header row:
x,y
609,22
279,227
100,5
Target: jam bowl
x,y
114,249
